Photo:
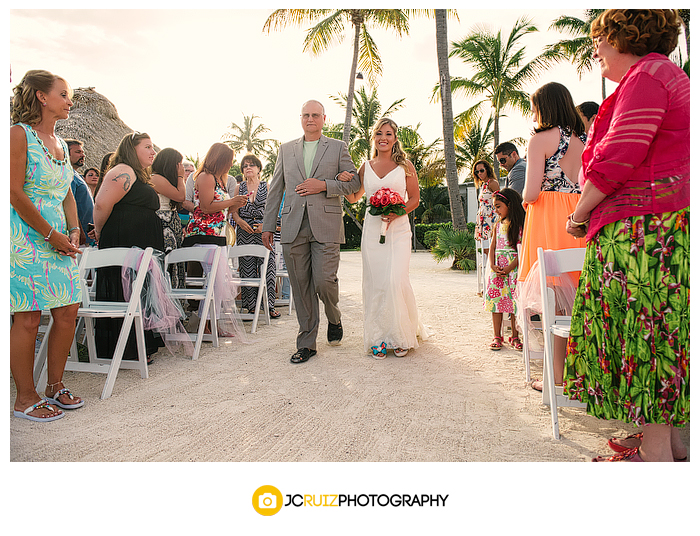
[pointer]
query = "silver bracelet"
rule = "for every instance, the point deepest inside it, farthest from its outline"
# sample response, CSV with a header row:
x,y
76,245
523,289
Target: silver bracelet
x,y
48,236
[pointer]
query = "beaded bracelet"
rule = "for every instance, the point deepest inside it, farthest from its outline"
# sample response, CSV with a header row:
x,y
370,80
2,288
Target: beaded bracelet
x,y
575,223
48,236
73,229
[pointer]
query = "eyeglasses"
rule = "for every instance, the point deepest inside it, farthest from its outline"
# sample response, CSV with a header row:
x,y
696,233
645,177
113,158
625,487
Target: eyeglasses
x,y
134,133
502,160
314,116
247,165
481,170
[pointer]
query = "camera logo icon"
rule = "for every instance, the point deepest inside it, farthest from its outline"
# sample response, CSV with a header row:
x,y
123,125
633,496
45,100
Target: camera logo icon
x,y
267,500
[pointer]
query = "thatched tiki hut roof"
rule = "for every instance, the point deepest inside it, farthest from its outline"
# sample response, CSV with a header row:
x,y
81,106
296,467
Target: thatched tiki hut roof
x,y
93,120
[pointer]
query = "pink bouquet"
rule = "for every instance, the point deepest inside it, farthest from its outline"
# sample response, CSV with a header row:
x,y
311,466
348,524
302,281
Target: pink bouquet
x,y
386,201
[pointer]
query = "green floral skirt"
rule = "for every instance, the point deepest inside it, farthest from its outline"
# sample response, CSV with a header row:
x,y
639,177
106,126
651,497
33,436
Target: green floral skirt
x,y
628,353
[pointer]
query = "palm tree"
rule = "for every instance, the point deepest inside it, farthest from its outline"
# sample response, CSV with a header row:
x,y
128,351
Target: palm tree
x,y
500,72
434,204
430,167
474,142
247,138
270,155
194,159
365,112
579,49
459,222
329,29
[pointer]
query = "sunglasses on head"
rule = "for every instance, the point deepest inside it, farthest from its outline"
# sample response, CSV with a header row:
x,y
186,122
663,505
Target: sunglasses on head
x,y
134,134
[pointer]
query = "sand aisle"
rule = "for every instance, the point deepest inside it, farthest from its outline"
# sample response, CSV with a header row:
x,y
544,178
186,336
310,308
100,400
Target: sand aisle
x,y
452,400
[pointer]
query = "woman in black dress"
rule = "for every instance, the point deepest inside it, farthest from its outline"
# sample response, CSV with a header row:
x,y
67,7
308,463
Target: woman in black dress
x,y
125,216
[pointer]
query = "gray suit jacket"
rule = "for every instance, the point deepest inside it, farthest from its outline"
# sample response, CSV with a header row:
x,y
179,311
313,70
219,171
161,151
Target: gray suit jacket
x,y
325,209
516,176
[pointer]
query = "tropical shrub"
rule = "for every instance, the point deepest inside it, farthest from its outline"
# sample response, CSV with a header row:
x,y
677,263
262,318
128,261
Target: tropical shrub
x,y
458,245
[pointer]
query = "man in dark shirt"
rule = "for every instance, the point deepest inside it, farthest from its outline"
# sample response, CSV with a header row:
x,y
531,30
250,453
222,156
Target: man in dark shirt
x,y
81,192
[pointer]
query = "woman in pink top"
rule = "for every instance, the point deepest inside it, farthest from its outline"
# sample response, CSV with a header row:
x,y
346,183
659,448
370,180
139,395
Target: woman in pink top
x,y
628,353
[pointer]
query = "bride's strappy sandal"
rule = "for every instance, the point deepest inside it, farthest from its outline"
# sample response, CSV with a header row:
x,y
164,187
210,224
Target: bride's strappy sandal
x,y
379,352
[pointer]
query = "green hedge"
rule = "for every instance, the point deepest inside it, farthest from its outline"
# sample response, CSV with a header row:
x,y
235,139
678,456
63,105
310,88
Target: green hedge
x,y
426,233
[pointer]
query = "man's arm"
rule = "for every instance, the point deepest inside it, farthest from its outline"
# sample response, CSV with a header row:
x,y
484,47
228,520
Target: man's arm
x,y
275,192
336,188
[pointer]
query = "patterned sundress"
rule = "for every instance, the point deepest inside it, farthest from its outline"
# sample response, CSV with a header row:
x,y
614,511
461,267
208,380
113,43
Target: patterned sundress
x,y
485,214
501,291
545,219
628,355
172,238
40,277
207,224
252,212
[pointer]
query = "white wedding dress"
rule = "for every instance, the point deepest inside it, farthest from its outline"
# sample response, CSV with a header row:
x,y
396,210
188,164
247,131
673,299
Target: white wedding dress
x,y
391,315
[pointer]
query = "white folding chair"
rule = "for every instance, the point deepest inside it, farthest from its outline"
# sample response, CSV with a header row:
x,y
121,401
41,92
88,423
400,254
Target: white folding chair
x,y
209,258
482,265
280,274
253,250
130,311
552,264
528,352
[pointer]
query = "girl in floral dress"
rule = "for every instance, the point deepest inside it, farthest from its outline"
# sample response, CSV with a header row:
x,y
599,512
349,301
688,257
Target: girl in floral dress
x,y
503,255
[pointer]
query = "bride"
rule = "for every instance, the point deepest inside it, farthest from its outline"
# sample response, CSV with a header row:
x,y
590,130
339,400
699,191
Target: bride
x,y
390,314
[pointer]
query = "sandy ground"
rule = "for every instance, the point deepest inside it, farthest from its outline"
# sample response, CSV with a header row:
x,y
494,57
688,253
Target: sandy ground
x,y
451,400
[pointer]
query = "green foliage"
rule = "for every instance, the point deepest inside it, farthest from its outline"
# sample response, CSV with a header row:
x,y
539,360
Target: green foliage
x,y
353,235
434,204
422,229
473,142
458,245
366,111
247,139
194,159
427,159
430,238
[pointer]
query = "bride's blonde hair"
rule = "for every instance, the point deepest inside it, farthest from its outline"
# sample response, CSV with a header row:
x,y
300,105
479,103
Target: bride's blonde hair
x,y
398,155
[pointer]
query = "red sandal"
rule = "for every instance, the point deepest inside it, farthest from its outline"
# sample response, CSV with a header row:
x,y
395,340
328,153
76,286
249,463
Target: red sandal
x,y
630,455
515,342
497,344
620,448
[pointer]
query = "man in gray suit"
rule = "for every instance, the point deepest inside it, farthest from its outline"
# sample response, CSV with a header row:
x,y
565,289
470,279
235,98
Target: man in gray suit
x,y
306,173
508,157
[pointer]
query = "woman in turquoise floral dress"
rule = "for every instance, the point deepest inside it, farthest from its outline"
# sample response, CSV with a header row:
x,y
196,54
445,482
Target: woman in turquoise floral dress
x,y
628,353
44,236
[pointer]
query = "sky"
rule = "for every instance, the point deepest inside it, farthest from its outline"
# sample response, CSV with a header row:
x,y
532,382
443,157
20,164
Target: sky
x,y
184,76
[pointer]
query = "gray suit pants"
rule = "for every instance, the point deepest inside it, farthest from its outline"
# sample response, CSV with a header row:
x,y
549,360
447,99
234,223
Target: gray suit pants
x,y
313,269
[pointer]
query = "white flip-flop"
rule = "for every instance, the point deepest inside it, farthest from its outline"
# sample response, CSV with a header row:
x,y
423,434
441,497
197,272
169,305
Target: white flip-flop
x,y
39,405
54,400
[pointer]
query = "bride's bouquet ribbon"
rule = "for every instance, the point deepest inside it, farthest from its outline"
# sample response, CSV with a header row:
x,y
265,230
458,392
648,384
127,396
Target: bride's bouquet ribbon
x,y
383,202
